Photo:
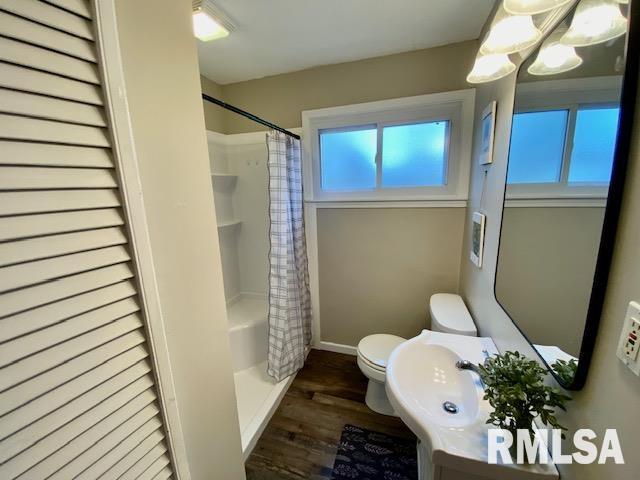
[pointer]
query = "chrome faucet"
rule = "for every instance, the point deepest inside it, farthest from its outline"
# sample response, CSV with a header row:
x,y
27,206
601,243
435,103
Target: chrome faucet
x,y
467,365
472,367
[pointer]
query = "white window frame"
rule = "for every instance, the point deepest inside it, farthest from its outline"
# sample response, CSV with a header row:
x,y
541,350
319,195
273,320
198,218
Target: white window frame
x,y
456,107
571,95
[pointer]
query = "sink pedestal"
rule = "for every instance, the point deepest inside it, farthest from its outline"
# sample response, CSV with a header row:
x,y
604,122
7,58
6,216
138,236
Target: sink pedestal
x,y
429,471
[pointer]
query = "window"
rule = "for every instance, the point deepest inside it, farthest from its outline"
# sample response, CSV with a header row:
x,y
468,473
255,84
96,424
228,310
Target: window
x,y
594,144
572,147
537,146
415,155
403,149
348,158
412,155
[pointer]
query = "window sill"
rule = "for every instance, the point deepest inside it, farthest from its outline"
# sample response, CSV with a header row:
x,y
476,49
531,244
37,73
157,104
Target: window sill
x,y
432,203
565,202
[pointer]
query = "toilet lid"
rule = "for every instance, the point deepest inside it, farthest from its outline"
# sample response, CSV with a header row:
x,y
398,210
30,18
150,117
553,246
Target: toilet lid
x,y
376,349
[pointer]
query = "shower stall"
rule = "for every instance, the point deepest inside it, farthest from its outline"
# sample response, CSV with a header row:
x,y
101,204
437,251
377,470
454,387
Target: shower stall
x,y
240,186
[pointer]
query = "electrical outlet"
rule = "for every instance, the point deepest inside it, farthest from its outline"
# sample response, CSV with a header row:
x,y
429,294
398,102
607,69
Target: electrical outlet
x,y
629,343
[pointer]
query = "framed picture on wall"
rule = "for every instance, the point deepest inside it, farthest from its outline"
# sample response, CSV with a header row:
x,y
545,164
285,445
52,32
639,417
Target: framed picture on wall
x,y
477,239
488,127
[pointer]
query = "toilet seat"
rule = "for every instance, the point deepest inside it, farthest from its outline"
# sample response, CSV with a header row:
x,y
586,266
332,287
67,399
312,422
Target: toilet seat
x,y
372,365
376,349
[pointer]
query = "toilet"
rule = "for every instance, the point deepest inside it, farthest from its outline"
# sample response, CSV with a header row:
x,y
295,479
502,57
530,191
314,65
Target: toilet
x,y
449,314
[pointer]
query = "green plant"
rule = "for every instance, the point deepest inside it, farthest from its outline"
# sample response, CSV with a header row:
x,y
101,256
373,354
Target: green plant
x,y
565,371
514,387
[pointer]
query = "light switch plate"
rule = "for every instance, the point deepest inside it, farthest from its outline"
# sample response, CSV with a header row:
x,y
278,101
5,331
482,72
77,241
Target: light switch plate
x,y
629,342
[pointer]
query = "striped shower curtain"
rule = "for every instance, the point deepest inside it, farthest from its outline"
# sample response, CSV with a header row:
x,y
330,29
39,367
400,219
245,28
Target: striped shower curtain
x,y
289,297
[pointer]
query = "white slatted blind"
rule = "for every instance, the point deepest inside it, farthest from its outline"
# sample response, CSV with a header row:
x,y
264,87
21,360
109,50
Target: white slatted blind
x,y
78,397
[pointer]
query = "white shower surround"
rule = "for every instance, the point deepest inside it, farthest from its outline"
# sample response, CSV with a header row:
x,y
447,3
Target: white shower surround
x,y
244,251
257,394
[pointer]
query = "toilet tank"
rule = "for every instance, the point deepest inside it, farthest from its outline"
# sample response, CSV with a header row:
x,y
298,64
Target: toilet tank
x,y
449,314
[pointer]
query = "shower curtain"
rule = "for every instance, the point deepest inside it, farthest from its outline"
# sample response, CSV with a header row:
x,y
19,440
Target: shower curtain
x,y
289,297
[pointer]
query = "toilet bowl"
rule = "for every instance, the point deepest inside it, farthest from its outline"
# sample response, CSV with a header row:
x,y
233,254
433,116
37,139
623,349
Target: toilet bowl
x,y
449,314
373,353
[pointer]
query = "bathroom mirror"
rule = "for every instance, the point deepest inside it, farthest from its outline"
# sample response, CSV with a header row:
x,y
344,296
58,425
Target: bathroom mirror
x,y
571,126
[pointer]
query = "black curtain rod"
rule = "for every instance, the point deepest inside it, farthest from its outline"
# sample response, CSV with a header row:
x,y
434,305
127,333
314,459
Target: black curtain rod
x,y
250,116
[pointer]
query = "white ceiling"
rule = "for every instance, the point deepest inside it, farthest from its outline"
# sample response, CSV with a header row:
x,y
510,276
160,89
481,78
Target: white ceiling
x,y
278,36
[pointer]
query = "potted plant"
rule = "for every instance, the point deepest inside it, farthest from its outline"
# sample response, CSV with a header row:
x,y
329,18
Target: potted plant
x,y
514,387
565,370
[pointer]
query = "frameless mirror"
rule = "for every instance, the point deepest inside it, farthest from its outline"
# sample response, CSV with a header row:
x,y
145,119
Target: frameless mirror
x,y
565,175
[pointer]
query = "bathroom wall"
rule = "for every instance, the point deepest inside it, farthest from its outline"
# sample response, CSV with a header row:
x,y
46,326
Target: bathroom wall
x,y
612,393
159,61
282,98
378,268
539,243
213,114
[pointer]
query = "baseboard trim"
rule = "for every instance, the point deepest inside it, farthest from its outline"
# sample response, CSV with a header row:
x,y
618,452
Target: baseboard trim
x,y
336,347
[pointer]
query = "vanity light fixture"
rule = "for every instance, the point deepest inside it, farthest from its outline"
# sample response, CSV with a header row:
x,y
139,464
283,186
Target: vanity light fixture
x,y
510,34
488,68
595,21
555,57
209,23
532,7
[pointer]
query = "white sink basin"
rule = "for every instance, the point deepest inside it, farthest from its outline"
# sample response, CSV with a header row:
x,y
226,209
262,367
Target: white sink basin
x,y
421,376
438,381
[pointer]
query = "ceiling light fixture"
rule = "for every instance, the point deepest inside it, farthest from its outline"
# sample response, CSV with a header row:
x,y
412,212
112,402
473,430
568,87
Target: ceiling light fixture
x,y
488,68
555,57
510,34
209,23
595,21
532,7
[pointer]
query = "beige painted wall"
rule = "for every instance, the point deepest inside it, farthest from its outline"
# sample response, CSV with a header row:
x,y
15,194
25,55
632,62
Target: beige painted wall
x,y
281,98
379,266
545,272
612,393
159,57
213,114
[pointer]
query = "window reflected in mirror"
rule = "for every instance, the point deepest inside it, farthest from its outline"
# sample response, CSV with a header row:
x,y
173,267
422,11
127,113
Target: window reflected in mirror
x,y
562,150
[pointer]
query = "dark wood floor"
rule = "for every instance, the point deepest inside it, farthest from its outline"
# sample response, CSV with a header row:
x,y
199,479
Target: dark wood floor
x,y
302,438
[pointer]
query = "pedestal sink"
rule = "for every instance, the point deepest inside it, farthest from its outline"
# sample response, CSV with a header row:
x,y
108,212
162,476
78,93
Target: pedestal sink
x,y
444,407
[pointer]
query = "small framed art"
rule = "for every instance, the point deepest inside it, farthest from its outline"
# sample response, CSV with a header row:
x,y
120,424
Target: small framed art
x,y
477,239
488,127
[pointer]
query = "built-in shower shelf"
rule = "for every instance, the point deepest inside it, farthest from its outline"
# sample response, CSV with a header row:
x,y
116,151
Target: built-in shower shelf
x,y
229,224
224,181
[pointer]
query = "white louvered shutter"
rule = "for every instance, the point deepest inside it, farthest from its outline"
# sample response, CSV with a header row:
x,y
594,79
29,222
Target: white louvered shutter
x,y
78,397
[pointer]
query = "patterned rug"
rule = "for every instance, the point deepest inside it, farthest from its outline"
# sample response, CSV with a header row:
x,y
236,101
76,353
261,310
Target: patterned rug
x,y
368,455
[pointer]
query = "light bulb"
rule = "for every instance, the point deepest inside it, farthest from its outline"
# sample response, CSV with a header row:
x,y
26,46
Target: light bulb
x,y
595,21
510,34
532,7
488,68
555,57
